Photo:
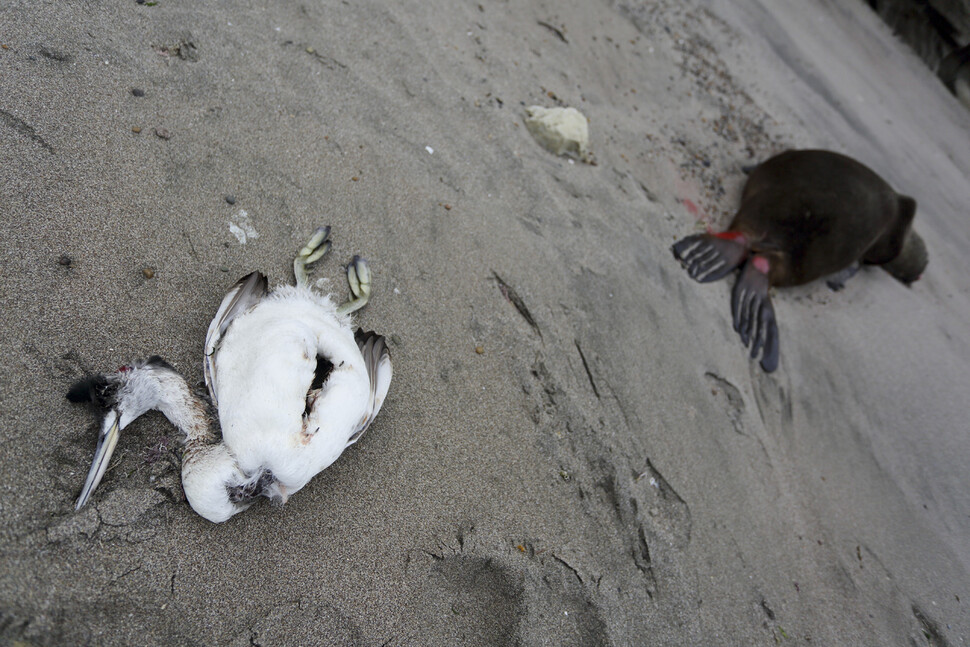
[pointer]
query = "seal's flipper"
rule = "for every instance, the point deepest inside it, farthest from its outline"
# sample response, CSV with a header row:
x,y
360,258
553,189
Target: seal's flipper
x,y
754,318
709,257
837,281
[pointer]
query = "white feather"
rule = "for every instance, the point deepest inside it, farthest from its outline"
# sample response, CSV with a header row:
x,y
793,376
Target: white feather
x,y
265,365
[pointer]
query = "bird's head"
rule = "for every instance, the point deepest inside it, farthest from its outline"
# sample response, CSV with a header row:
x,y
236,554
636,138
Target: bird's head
x,y
123,396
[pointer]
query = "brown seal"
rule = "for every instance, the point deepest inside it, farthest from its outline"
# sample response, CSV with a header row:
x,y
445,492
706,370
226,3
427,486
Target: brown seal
x,y
804,214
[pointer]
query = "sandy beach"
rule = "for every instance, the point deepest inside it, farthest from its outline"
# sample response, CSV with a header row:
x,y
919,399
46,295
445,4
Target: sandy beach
x,y
575,449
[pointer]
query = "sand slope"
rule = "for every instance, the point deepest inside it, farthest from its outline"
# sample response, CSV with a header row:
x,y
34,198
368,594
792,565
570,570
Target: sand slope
x,y
611,470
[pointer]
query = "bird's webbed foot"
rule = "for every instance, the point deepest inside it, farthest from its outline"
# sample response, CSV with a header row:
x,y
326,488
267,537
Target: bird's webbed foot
x,y
318,245
359,280
753,315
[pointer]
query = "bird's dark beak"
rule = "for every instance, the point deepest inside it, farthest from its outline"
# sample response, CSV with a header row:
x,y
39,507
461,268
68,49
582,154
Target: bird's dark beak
x,y
107,441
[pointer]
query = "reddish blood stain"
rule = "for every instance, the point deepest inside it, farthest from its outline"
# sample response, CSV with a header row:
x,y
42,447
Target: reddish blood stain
x,y
691,207
731,235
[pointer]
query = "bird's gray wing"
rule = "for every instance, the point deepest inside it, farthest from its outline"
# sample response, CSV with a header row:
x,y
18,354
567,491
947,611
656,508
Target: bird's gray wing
x,y
245,294
377,359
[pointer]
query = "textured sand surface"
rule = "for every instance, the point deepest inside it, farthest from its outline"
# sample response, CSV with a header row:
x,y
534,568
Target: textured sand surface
x,y
611,469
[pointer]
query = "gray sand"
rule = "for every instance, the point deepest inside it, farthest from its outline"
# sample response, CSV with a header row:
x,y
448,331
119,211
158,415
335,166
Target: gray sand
x,y
614,471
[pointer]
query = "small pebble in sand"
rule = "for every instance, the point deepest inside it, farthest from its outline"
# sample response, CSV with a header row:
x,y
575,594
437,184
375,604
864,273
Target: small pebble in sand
x,y
354,179
163,133
65,260
310,50
231,199
480,350
148,272
223,269
138,92
136,129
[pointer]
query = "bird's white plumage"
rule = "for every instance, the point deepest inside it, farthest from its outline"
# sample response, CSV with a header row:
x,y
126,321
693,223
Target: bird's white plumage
x,y
264,368
206,473
282,423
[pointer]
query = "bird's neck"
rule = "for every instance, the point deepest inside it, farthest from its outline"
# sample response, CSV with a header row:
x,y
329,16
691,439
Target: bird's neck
x,y
186,411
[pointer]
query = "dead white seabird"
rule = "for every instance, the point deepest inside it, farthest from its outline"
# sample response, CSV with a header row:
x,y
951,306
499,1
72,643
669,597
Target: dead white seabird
x,y
293,385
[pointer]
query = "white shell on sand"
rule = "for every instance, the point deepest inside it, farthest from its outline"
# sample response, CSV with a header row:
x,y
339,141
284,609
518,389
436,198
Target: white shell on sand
x,y
563,131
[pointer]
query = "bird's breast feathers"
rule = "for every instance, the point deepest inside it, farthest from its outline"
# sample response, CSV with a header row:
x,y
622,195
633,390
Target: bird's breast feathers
x,y
271,416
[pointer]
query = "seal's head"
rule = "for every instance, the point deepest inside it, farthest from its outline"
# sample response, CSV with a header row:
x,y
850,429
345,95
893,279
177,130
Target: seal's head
x,y
911,262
